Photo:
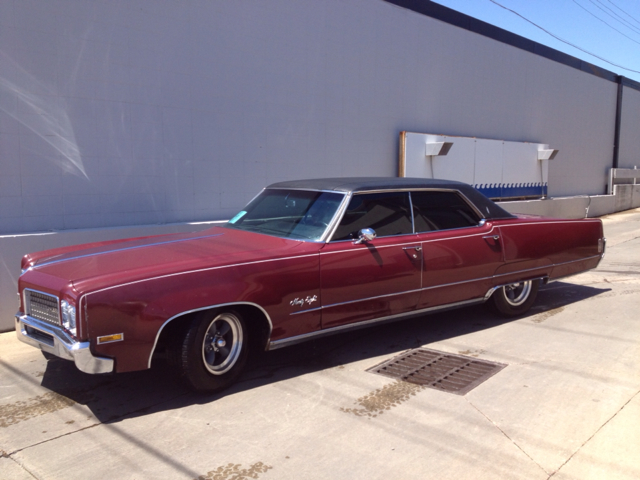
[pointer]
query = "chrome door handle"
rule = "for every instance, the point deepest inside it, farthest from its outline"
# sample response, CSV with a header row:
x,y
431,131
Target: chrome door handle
x,y
492,237
416,248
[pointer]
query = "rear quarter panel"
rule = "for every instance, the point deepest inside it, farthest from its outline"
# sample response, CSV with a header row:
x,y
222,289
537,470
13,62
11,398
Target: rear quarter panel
x,y
552,247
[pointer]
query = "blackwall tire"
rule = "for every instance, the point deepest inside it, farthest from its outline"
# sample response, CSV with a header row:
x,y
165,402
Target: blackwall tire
x,y
514,299
213,350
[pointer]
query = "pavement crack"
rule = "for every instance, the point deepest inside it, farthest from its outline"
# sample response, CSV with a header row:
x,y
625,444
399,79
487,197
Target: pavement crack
x,y
506,436
595,433
25,469
53,438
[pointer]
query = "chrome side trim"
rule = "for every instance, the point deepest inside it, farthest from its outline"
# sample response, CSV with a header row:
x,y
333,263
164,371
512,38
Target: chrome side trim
x,y
56,341
417,290
372,298
198,270
414,238
155,342
576,261
37,265
285,342
555,279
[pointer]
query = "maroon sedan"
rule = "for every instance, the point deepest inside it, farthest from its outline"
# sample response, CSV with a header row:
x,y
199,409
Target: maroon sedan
x,y
303,259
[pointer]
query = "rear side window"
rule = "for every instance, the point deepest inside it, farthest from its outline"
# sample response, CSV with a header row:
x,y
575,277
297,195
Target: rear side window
x,y
441,210
387,213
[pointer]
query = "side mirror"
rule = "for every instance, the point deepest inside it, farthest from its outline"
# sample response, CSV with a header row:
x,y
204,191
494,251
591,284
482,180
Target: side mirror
x,y
365,235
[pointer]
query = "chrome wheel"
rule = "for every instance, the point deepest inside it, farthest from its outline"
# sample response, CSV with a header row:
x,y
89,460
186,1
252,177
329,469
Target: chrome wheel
x,y
222,343
515,298
517,293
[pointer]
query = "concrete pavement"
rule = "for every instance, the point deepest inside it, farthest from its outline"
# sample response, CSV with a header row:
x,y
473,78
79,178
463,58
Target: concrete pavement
x,y
567,405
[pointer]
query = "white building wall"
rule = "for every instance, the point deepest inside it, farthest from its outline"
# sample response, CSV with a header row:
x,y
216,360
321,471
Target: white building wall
x,y
141,112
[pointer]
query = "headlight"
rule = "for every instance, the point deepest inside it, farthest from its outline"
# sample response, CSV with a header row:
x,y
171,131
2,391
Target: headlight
x,y
68,316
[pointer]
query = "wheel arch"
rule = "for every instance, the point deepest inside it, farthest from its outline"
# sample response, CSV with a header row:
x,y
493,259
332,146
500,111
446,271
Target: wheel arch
x,y
544,279
256,318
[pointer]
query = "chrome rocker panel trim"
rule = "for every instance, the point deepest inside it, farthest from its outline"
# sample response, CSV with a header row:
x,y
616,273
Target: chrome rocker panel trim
x,y
54,340
285,342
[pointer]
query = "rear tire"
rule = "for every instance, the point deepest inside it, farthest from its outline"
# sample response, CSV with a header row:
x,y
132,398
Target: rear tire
x,y
514,299
212,352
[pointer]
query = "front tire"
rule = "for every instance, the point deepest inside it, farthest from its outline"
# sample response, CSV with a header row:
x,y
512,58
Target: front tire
x,y
514,299
213,351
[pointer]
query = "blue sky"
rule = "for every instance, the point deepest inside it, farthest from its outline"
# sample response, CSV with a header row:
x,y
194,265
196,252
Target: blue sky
x,y
582,23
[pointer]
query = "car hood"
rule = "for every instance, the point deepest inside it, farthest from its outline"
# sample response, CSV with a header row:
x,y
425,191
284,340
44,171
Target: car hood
x,y
95,266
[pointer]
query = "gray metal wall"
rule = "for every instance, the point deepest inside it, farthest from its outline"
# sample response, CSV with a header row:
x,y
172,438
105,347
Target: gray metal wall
x,y
629,155
140,112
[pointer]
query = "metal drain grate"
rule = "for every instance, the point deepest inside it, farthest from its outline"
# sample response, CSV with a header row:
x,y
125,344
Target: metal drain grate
x,y
442,371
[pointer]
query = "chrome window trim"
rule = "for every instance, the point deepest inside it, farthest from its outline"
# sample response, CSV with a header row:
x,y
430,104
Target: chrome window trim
x,y
339,192
328,231
338,217
327,236
413,218
464,199
352,194
410,242
427,189
351,240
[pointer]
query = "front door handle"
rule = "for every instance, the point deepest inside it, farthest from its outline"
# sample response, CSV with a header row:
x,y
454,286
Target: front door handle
x,y
416,248
492,240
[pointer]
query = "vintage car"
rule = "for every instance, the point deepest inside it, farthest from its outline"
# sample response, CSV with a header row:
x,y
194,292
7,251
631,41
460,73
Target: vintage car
x,y
303,259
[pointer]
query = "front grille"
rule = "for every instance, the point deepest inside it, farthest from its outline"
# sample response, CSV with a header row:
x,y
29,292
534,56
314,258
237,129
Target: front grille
x,y
42,306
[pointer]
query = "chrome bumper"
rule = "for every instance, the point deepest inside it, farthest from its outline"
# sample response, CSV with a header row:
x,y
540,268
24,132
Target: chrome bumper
x,y
54,340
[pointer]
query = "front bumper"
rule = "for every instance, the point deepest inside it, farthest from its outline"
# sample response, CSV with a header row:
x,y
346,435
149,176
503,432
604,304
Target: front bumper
x,y
54,340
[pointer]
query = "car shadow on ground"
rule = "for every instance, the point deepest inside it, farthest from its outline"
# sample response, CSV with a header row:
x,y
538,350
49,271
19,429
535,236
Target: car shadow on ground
x,y
112,398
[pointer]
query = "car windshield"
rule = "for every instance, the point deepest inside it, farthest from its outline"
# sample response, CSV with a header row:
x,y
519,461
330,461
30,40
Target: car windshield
x,y
296,214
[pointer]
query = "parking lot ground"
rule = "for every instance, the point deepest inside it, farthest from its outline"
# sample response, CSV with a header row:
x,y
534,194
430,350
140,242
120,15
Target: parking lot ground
x,y
566,406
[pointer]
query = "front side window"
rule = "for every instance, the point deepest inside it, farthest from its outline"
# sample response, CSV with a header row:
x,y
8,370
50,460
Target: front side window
x,y
441,210
387,213
296,214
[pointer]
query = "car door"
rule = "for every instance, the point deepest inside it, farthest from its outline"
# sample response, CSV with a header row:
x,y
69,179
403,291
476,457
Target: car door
x,y
460,251
366,280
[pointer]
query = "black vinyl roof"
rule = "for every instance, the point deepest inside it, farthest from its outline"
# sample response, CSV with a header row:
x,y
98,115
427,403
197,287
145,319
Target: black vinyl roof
x,y
363,184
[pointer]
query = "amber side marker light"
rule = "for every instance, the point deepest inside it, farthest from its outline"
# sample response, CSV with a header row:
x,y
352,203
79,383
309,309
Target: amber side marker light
x,y
117,337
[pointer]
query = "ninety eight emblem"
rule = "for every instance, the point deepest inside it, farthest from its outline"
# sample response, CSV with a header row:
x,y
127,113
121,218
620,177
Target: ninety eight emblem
x,y
301,301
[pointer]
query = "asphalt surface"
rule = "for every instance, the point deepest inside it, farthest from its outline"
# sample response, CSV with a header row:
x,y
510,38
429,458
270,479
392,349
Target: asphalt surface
x,y
566,406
